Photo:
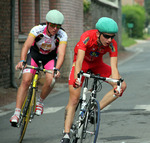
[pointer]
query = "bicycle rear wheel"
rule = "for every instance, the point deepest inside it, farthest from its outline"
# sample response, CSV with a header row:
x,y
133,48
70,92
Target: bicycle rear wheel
x,y
91,124
26,112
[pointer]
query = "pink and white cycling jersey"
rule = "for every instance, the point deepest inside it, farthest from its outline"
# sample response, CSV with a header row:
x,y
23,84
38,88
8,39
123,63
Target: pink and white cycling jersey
x,y
45,43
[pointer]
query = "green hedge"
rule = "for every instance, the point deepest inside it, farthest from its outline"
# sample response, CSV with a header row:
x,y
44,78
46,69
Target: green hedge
x,y
135,15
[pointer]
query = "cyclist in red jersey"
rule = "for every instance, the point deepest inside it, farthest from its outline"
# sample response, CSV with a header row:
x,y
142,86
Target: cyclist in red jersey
x,y
47,43
88,54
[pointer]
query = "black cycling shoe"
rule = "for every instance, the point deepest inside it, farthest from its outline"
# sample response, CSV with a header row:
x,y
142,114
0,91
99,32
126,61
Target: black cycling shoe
x,y
65,139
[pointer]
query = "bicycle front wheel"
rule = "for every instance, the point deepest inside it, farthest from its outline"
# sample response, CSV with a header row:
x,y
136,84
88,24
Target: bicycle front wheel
x,y
91,124
26,112
76,126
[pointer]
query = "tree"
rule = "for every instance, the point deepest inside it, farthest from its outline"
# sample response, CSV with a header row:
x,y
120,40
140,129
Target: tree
x,y
86,5
134,15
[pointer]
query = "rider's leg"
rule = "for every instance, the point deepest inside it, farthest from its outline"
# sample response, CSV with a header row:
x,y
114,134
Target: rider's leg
x,y
109,98
23,89
70,108
105,71
21,94
46,89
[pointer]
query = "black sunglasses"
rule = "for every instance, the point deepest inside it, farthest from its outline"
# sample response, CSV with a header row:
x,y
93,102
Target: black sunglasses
x,y
108,36
55,25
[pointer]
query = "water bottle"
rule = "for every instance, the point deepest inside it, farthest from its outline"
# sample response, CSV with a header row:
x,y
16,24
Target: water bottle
x,y
82,110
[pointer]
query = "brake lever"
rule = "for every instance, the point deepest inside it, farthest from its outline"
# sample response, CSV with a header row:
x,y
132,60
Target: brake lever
x,y
21,71
79,76
119,83
55,71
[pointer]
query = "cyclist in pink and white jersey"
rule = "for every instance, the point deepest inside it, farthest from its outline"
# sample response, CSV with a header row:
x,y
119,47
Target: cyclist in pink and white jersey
x,y
47,43
88,54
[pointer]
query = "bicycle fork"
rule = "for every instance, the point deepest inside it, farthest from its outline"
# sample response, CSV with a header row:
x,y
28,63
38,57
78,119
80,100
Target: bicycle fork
x,y
83,113
33,98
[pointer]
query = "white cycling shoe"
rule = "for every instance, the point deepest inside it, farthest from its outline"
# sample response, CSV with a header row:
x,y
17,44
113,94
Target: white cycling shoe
x,y
14,120
39,108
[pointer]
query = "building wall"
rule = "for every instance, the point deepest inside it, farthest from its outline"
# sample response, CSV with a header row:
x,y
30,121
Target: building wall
x,y
132,2
127,2
5,42
73,25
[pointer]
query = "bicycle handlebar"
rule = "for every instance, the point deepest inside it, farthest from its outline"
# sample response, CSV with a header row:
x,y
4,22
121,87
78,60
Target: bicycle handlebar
x,y
33,67
38,69
98,77
44,70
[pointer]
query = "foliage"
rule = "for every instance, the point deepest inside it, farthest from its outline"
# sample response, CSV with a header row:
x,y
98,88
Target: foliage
x,y
134,14
126,40
86,5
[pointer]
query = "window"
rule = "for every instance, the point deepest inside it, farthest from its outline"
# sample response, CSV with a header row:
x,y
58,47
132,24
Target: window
x,y
111,2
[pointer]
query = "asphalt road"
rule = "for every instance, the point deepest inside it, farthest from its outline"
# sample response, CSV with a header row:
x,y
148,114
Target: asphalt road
x,y
127,120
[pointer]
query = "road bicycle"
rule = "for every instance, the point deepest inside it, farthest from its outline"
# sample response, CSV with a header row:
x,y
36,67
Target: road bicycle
x,y
86,122
28,108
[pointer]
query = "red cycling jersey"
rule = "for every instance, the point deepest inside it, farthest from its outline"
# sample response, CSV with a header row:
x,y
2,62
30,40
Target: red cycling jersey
x,y
93,55
88,43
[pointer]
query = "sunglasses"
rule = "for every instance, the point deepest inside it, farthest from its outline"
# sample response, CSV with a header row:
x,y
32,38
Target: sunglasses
x,y
108,36
54,25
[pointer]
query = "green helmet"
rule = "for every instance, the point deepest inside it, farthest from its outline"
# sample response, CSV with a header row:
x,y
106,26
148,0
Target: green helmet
x,y
55,16
107,25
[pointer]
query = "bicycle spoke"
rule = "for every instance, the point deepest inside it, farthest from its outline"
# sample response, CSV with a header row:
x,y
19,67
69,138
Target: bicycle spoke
x,y
26,114
74,128
91,126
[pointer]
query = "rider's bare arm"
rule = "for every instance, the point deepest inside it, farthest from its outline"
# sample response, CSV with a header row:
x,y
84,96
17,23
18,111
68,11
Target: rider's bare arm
x,y
79,61
115,74
61,55
114,68
27,45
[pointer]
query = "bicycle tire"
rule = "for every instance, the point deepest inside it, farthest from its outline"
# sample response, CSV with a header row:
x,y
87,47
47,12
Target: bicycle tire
x,y
26,113
74,128
91,125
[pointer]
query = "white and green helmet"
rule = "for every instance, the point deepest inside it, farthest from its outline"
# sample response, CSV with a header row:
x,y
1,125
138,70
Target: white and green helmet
x,y
107,25
55,16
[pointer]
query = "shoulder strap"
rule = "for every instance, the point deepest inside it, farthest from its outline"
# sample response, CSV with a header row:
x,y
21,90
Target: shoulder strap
x,y
39,37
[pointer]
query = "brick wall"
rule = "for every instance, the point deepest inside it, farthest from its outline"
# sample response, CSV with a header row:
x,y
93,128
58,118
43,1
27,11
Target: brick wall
x,y
44,9
132,2
5,42
73,25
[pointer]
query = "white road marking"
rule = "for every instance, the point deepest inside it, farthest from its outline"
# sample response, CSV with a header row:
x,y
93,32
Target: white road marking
x,y
145,107
46,110
2,113
52,109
